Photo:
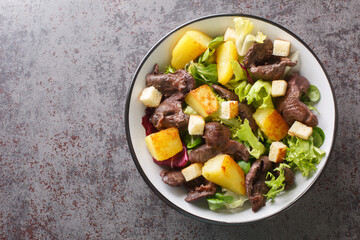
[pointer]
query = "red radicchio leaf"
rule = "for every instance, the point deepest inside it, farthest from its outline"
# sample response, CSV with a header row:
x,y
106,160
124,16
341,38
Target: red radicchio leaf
x,y
250,80
149,127
178,160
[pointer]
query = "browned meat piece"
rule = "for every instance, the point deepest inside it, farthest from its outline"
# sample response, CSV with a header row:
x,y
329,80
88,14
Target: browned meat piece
x,y
258,54
216,135
199,189
217,141
291,108
173,178
255,182
263,65
289,178
170,114
237,150
203,153
170,83
225,93
245,112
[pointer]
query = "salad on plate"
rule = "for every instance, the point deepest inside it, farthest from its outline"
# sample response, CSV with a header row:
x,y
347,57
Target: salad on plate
x,y
231,119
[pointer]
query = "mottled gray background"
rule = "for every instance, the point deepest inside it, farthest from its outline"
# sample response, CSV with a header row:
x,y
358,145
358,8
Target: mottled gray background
x,y
65,168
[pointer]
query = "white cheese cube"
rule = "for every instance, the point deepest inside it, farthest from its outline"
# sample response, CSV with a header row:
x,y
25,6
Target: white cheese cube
x,y
229,109
230,35
196,125
192,171
281,48
151,97
300,130
277,152
278,88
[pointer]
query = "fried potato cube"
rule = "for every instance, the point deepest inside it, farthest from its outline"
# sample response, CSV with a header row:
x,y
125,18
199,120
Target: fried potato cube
x,y
196,125
229,109
150,97
190,46
300,130
278,88
192,171
164,144
230,35
225,53
271,123
277,152
281,48
225,172
202,100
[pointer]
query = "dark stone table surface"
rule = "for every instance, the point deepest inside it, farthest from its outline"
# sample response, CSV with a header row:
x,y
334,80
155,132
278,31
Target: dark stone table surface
x,y
65,168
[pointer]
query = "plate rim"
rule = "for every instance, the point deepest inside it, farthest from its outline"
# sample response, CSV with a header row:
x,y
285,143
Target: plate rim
x,y
127,127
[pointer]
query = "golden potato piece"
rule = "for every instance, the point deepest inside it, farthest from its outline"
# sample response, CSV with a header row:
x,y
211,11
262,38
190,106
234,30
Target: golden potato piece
x,y
271,123
202,100
190,46
164,144
225,172
225,53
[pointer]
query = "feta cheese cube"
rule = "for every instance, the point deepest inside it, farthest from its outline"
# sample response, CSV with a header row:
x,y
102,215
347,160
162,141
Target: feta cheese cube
x,y
192,171
151,97
300,130
281,48
229,109
277,152
278,88
196,125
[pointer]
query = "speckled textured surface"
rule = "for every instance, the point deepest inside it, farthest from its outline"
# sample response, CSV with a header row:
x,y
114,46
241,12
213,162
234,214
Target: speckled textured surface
x,y
65,168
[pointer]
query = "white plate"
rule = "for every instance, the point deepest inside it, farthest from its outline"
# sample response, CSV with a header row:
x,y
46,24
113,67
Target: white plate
x,y
213,26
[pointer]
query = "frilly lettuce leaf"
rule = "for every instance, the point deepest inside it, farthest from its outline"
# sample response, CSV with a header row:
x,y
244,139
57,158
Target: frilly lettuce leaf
x,y
242,90
244,134
243,27
276,185
260,95
249,41
303,155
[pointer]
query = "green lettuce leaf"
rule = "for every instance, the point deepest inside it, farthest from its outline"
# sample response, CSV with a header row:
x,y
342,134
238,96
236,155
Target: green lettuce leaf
x,y
260,95
303,155
191,141
244,134
242,90
203,74
239,199
245,166
276,185
318,136
218,200
207,57
216,42
239,73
